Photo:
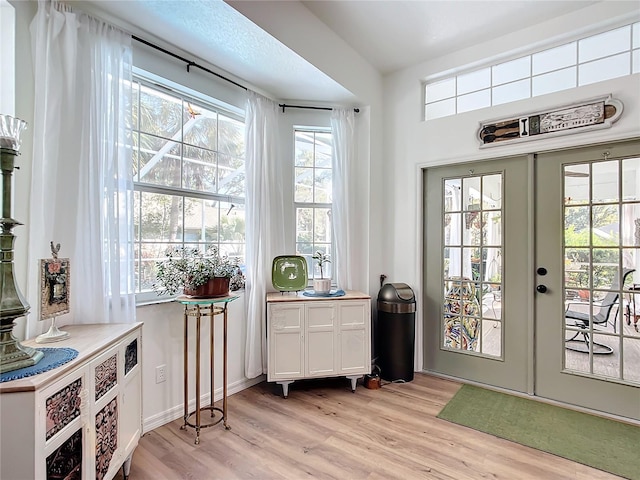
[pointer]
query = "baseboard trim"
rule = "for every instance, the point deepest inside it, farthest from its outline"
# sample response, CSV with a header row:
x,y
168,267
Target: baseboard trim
x,y
177,411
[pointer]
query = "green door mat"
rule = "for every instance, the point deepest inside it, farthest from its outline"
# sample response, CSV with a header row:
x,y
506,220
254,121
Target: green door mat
x,y
598,442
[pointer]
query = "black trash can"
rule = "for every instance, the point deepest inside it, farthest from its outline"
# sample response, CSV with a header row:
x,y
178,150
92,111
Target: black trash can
x,y
395,332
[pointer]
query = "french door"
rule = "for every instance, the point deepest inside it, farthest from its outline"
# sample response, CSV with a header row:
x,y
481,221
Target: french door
x,y
532,275
476,272
587,338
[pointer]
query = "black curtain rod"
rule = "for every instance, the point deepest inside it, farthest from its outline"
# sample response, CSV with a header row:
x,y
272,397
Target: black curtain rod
x,y
194,64
188,62
284,105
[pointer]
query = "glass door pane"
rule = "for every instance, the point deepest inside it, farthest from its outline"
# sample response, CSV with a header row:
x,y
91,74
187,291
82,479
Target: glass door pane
x,y
472,264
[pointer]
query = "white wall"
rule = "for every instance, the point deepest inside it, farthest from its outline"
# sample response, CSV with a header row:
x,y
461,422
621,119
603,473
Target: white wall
x,y
296,27
163,323
7,58
24,87
163,328
389,187
412,144
162,344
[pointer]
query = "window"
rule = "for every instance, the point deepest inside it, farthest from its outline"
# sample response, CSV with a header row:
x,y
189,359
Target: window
x,y
189,178
600,57
472,320
313,195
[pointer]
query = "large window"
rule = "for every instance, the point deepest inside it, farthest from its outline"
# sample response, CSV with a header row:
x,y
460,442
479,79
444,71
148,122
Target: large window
x,y
313,195
611,54
189,178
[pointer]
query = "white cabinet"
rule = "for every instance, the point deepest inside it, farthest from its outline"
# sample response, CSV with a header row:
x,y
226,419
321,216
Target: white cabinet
x,y
82,419
318,337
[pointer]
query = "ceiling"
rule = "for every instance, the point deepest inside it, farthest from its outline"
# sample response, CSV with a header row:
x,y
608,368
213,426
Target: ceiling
x,y
389,34
400,33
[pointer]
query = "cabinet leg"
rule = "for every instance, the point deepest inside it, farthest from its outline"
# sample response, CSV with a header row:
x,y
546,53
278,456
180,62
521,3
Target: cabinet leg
x,y
126,467
354,381
285,387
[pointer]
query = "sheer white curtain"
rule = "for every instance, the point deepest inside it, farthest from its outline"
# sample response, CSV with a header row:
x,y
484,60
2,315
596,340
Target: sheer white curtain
x,y
343,213
264,212
82,191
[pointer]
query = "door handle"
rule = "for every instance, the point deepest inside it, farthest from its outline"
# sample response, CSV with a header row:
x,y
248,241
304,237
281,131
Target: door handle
x,y
541,288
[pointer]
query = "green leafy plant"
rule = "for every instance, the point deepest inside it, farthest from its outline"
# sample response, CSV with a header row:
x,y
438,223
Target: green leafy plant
x,y
191,267
321,258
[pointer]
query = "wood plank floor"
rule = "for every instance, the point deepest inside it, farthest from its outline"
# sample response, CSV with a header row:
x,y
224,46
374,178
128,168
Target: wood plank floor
x,y
325,431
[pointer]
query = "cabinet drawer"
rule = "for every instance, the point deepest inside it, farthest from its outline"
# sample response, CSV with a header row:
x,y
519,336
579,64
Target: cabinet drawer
x,y
131,398
106,424
66,460
286,318
131,354
62,405
354,313
105,373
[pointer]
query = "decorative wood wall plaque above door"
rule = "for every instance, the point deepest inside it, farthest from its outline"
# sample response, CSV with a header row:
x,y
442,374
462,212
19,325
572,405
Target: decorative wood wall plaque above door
x,y
588,115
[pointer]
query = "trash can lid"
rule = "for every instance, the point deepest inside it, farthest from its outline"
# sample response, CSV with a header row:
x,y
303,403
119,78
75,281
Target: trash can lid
x,y
396,292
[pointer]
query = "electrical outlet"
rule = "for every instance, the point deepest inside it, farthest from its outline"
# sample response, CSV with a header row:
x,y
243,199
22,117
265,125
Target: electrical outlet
x,y
161,373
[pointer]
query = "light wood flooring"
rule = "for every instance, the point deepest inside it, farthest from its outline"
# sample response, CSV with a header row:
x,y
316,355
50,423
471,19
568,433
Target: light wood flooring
x,y
323,430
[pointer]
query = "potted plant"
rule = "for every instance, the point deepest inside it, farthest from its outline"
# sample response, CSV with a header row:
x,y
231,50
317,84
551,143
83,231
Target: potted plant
x,y
321,285
197,273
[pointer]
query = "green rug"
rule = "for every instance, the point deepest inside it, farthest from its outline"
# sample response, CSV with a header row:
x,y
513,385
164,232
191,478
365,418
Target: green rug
x,y
598,442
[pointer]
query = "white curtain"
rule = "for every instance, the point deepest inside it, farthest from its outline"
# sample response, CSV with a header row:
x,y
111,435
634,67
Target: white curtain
x,y
264,221
343,213
81,190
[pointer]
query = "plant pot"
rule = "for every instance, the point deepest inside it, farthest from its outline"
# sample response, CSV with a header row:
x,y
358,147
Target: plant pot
x,y
322,285
215,287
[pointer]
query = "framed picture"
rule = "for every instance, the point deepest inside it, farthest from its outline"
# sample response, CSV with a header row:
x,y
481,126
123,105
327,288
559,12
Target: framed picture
x,y
54,287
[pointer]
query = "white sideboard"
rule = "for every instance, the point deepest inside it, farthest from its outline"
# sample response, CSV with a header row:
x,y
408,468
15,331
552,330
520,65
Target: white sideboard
x,y
311,337
82,419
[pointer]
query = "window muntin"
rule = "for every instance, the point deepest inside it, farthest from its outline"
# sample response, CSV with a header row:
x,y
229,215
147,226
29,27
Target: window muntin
x,y
473,81
604,45
510,71
604,69
443,108
511,92
474,101
189,178
313,185
555,58
472,241
554,81
441,90
601,209
596,58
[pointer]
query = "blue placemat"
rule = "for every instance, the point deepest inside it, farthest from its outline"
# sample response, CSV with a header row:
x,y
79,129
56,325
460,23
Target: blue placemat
x,y
53,358
332,293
